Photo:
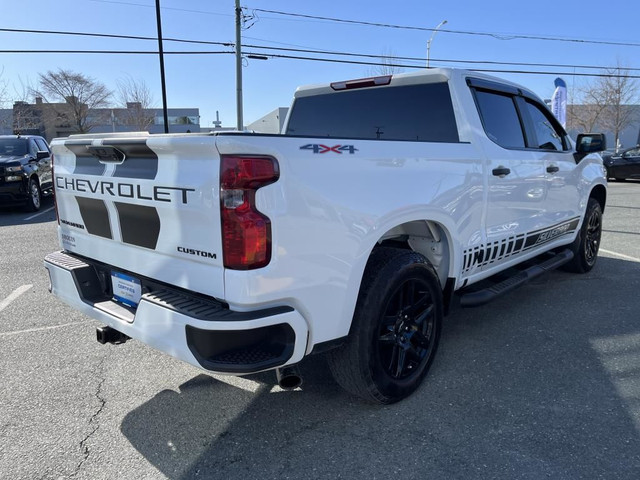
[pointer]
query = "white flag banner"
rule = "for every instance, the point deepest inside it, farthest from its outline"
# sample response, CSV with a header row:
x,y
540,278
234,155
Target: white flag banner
x,y
559,101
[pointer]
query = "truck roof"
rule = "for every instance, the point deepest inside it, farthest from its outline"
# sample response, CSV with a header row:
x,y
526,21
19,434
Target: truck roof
x,y
432,75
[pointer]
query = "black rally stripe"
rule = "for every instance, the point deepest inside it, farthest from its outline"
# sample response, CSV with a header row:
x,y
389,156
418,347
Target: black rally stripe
x,y
95,216
140,161
139,225
86,164
536,238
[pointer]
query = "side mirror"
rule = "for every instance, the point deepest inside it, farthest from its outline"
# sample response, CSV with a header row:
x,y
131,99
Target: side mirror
x,y
42,154
591,142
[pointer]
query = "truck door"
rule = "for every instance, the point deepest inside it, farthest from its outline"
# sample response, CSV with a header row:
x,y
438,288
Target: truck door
x,y
516,185
550,145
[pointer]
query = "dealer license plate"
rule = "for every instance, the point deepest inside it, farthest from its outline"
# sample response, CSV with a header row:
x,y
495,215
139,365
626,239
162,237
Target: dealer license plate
x,y
126,289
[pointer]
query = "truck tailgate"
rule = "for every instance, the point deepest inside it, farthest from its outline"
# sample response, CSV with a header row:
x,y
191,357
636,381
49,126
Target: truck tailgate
x,y
148,202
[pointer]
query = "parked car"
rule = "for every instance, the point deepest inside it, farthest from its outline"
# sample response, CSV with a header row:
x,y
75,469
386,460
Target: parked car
x,y
624,164
25,170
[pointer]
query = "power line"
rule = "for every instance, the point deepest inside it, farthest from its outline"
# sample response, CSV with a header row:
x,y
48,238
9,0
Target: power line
x,y
282,49
419,59
460,32
316,59
163,8
110,35
529,72
124,52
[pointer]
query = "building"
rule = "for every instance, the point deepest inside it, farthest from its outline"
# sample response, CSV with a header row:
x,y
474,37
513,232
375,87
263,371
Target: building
x,y
6,121
271,123
628,137
53,120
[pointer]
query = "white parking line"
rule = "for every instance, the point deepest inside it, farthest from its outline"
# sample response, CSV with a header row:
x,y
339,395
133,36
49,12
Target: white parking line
x,y
15,294
40,329
620,255
39,213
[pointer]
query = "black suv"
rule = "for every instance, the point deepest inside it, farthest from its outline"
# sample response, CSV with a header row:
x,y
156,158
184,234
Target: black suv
x,y
25,170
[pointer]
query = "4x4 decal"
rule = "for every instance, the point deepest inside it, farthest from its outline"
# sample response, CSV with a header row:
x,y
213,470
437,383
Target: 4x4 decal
x,y
319,148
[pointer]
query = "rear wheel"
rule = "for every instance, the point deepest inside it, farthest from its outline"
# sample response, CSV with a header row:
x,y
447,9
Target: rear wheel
x,y
395,330
34,200
586,245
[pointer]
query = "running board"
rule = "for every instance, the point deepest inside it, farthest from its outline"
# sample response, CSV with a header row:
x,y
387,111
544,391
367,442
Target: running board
x,y
480,297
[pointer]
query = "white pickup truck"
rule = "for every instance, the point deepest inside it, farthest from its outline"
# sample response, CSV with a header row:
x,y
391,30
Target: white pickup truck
x,y
348,234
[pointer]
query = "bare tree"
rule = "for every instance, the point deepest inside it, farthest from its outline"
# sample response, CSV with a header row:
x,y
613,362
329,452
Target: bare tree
x,y
5,119
388,64
80,94
3,90
606,103
136,97
584,117
26,117
621,92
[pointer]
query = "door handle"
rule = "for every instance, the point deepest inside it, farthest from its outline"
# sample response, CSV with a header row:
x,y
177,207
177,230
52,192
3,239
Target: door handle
x,y
553,169
501,171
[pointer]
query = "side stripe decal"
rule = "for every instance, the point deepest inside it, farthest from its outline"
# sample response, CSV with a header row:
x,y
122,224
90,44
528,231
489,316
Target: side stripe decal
x,y
482,255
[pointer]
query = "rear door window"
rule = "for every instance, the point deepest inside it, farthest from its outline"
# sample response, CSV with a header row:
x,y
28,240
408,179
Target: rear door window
x,y
500,119
422,113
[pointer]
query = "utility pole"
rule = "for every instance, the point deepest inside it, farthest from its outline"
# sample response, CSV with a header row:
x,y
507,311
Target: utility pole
x,y
239,65
161,53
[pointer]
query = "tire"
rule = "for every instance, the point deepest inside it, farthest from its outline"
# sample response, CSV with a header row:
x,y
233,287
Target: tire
x,y
34,200
586,245
395,330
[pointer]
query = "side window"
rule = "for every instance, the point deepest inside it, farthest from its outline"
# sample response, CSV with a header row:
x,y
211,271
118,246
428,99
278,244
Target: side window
x,y
632,153
500,119
42,145
33,148
548,135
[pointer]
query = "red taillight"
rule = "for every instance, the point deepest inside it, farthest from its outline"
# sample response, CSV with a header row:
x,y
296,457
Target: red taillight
x,y
246,233
53,190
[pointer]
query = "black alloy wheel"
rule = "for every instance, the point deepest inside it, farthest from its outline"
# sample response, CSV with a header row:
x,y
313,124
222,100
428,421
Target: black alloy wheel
x,y
586,245
407,331
34,199
592,237
395,329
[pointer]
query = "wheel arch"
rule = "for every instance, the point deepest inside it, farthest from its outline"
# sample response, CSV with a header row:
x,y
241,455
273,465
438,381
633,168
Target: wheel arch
x,y
599,192
429,238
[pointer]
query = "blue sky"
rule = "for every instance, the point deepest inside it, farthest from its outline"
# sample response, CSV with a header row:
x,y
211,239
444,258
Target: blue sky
x,y
208,81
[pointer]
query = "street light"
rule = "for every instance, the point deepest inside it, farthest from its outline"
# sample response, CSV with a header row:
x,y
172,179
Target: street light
x,y
435,30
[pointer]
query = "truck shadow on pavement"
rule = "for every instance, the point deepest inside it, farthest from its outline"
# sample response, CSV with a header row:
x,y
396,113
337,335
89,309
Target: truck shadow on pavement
x,y
16,215
544,383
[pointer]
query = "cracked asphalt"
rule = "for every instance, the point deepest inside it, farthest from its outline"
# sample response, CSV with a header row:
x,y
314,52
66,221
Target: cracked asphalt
x,y
544,383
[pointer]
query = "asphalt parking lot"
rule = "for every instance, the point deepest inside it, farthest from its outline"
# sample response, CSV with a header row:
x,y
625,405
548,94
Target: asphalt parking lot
x,y
544,383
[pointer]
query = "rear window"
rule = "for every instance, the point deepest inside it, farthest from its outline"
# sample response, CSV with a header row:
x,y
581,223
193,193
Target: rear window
x,y
422,113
